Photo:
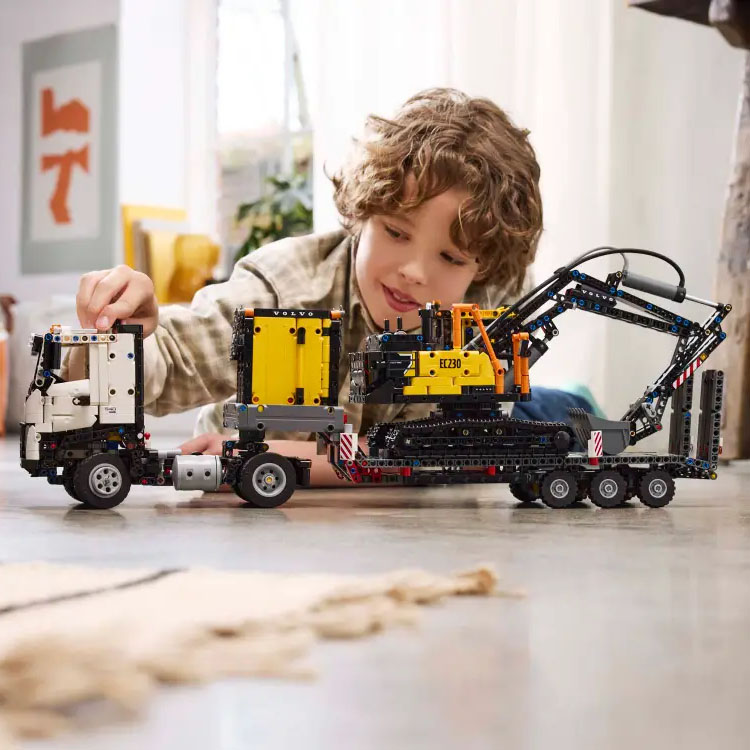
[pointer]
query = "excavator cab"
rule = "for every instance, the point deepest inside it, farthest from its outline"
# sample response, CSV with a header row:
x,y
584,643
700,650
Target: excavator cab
x,y
440,364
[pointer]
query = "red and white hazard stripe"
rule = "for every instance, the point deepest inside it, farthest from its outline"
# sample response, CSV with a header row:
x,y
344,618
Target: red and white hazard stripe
x,y
595,447
348,446
688,372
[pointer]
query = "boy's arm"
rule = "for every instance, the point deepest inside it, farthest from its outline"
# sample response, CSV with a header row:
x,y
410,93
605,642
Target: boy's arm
x,y
321,472
186,360
413,411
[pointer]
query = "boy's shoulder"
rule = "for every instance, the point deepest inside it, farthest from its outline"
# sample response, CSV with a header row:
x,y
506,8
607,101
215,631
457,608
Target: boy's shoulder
x,y
303,271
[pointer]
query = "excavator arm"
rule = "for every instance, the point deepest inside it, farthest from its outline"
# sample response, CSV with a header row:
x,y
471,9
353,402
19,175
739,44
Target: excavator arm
x,y
571,289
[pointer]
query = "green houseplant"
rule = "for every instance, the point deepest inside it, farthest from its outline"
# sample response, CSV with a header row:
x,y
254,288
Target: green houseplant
x,y
285,210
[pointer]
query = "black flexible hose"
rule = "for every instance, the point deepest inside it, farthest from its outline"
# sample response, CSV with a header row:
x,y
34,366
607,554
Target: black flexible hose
x,y
596,252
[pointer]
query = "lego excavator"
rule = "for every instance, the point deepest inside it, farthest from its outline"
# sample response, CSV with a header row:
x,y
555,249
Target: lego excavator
x,y
470,362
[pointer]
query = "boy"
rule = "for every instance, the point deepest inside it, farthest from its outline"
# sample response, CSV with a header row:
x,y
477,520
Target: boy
x,y
441,202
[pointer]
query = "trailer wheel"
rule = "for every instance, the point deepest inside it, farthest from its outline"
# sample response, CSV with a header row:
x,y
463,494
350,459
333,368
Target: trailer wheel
x,y
526,492
101,481
68,476
559,489
656,488
608,488
266,480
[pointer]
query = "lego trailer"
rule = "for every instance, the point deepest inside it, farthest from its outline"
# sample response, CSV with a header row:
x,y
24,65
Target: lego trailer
x,y
88,434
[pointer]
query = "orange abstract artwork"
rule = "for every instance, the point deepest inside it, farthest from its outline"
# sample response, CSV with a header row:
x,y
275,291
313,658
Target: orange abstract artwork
x,y
73,116
70,151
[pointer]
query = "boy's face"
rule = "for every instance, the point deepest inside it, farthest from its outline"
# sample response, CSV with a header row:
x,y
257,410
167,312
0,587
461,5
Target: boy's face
x,y
406,260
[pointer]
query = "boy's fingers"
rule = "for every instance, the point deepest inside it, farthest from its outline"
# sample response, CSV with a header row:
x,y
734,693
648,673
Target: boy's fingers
x,y
196,444
108,289
207,442
86,287
122,308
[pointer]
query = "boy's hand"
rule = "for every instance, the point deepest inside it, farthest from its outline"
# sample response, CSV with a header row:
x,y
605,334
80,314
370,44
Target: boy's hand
x,y
208,443
117,294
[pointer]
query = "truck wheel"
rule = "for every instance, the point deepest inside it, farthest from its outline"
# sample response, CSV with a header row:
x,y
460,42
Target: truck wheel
x,y
559,489
101,481
526,492
68,475
266,480
656,488
608,488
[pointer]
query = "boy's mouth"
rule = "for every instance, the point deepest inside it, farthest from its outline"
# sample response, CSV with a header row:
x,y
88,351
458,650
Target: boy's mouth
x,y
398,300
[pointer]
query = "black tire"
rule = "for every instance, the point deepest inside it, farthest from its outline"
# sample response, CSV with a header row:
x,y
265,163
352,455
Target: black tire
x,y
656,488
526,492
266,480
68,475
101,481
559,489
608,488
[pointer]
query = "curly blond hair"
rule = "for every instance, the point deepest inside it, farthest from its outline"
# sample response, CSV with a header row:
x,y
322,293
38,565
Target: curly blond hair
x,y
445,139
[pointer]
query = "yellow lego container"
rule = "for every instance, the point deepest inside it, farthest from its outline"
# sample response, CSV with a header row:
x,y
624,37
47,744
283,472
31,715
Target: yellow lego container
x,y
292,360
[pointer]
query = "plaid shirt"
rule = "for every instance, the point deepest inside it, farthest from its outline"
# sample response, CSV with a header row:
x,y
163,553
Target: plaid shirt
x,y
187,358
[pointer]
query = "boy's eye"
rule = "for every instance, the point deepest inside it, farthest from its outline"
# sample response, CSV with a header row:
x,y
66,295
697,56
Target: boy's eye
x,y
451,259
395,233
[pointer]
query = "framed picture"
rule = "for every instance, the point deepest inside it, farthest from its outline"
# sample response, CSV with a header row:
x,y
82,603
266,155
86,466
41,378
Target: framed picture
x,y
69,199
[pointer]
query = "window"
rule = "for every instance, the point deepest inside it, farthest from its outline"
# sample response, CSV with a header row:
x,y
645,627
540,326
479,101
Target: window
x,y
263,123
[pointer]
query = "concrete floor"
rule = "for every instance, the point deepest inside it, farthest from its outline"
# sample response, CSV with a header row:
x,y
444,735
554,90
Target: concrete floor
x,y
635,631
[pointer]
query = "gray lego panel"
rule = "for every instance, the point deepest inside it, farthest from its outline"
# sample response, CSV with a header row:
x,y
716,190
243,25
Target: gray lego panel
x,y
709,424
681,419
281,417
615,434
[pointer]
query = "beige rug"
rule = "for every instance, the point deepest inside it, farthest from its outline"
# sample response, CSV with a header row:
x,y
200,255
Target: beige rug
x,y
73,634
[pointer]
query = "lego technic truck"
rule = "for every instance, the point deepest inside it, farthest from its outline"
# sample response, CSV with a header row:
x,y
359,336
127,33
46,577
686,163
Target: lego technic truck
x,y
88,434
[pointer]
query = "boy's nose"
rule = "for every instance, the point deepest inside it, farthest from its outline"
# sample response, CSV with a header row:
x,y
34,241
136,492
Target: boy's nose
x,y
413,271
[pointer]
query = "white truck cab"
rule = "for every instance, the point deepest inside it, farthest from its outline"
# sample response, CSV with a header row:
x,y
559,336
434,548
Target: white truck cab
x,y
106,396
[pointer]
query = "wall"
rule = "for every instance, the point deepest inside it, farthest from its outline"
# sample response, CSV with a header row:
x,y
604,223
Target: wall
x,y
168,107
675,92
152,102
202,171
21,22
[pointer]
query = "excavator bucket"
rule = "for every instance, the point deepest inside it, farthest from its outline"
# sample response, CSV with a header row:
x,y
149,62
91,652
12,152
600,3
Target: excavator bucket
x,y
615,435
